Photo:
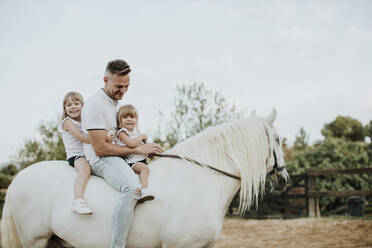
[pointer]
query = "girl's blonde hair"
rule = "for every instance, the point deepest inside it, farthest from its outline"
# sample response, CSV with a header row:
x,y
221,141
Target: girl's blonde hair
x,y
124,111
75,96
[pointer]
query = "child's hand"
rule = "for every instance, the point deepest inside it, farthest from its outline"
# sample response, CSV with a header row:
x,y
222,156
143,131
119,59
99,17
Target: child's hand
x,y
144,137
110,136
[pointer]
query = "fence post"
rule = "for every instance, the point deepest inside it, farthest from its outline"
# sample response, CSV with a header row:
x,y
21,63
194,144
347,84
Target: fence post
x,y
313,203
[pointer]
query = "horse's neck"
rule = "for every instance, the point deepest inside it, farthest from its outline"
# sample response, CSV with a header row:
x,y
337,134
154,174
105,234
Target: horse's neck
x,y
229,187
211,189
203,150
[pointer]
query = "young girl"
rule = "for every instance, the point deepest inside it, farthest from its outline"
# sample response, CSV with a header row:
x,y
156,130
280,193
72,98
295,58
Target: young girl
x,y
128,135
73,138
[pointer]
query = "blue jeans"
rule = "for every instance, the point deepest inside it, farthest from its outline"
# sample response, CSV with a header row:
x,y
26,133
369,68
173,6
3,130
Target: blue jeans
x,y
122,178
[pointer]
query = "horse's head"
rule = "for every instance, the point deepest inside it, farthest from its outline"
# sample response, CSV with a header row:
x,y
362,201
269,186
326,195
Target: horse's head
x,y
277,172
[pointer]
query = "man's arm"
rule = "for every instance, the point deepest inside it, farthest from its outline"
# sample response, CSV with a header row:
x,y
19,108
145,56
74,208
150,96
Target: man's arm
x,y
102,148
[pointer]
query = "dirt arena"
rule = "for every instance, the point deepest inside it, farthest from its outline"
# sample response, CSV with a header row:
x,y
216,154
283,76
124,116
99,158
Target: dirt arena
x,y
296,233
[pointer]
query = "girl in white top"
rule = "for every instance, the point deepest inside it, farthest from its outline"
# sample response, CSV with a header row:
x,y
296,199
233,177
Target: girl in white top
x,y
129,135
73,138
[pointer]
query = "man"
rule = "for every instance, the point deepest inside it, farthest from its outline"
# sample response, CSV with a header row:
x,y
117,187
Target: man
x,y
98,118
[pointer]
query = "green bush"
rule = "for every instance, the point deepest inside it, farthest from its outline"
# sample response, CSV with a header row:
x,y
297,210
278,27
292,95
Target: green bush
x,y
2,201
4,181
10,170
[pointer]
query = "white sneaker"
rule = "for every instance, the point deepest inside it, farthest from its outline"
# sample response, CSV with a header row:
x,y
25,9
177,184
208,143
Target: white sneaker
x,y
146,195
80,206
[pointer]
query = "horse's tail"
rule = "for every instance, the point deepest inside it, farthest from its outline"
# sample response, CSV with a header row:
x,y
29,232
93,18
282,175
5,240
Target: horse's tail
x,y
9,233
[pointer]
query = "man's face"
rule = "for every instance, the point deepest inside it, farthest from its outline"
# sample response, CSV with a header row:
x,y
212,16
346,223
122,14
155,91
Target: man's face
x,y
116,86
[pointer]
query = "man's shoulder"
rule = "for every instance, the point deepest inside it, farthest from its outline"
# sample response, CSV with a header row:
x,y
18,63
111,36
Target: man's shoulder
x,y
94,98
94,101
91,107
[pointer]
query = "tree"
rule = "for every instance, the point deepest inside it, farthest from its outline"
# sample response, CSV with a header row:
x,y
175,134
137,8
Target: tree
x,y
344,127
50,147
196,108
4,181
301,141
288,151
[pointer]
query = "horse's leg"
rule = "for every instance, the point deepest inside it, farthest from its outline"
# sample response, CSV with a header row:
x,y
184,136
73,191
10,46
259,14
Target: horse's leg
x,y
56,242
34,235
209,245
34,231
201,235
186,243
37,243
32,218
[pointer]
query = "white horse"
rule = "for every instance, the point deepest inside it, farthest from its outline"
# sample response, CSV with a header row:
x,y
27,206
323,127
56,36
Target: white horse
x,y
190,204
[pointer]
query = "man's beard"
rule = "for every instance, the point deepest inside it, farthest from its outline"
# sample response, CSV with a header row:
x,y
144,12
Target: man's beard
x,y
118,95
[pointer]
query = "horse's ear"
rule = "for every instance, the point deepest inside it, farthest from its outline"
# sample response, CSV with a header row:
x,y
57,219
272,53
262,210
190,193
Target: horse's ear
x,y
253,113
272,116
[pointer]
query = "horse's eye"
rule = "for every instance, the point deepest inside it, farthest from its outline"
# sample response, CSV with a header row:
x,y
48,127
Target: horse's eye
x,y
277,140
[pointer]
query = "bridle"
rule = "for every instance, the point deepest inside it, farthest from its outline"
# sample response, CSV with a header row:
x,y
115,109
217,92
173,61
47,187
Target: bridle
x,y
276,168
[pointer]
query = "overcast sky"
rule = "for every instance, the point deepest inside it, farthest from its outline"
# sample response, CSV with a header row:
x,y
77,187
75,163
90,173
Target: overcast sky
x,y
312,60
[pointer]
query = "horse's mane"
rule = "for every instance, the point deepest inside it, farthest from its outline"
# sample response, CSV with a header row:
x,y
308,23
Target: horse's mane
x,y
243,144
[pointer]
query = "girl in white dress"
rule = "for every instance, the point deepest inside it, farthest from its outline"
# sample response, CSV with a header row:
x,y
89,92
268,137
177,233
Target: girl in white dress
x,y
73,139
129,135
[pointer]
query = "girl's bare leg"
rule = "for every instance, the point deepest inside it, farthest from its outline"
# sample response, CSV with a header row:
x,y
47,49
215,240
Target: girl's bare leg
x,y
83,169
79,205
143,171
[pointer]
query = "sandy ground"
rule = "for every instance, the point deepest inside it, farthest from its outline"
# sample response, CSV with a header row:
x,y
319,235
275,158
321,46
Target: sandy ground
x,y
295,233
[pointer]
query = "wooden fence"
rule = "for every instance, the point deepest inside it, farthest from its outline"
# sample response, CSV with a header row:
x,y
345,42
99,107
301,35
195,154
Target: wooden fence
x,y
301,198
312,194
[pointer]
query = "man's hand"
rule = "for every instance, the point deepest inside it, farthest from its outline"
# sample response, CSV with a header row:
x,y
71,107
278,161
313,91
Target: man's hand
x,y
144,137
150,148
110,136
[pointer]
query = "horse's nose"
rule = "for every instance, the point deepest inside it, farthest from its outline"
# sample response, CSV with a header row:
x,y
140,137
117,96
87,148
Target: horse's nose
x,y
282,177
282,184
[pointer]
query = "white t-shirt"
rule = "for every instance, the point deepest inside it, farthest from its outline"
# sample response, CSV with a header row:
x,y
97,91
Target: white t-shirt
x,y
99,113
130,158
73,146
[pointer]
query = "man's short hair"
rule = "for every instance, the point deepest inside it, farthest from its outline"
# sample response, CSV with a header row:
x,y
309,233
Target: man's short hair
x,y
117,67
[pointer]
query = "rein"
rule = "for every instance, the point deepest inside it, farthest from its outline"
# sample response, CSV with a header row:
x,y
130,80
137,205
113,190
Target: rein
x,y
198,163
273,171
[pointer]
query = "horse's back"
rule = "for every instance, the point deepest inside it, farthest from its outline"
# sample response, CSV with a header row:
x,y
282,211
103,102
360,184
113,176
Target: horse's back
x,y
31,200
44,191
41,200
40,181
